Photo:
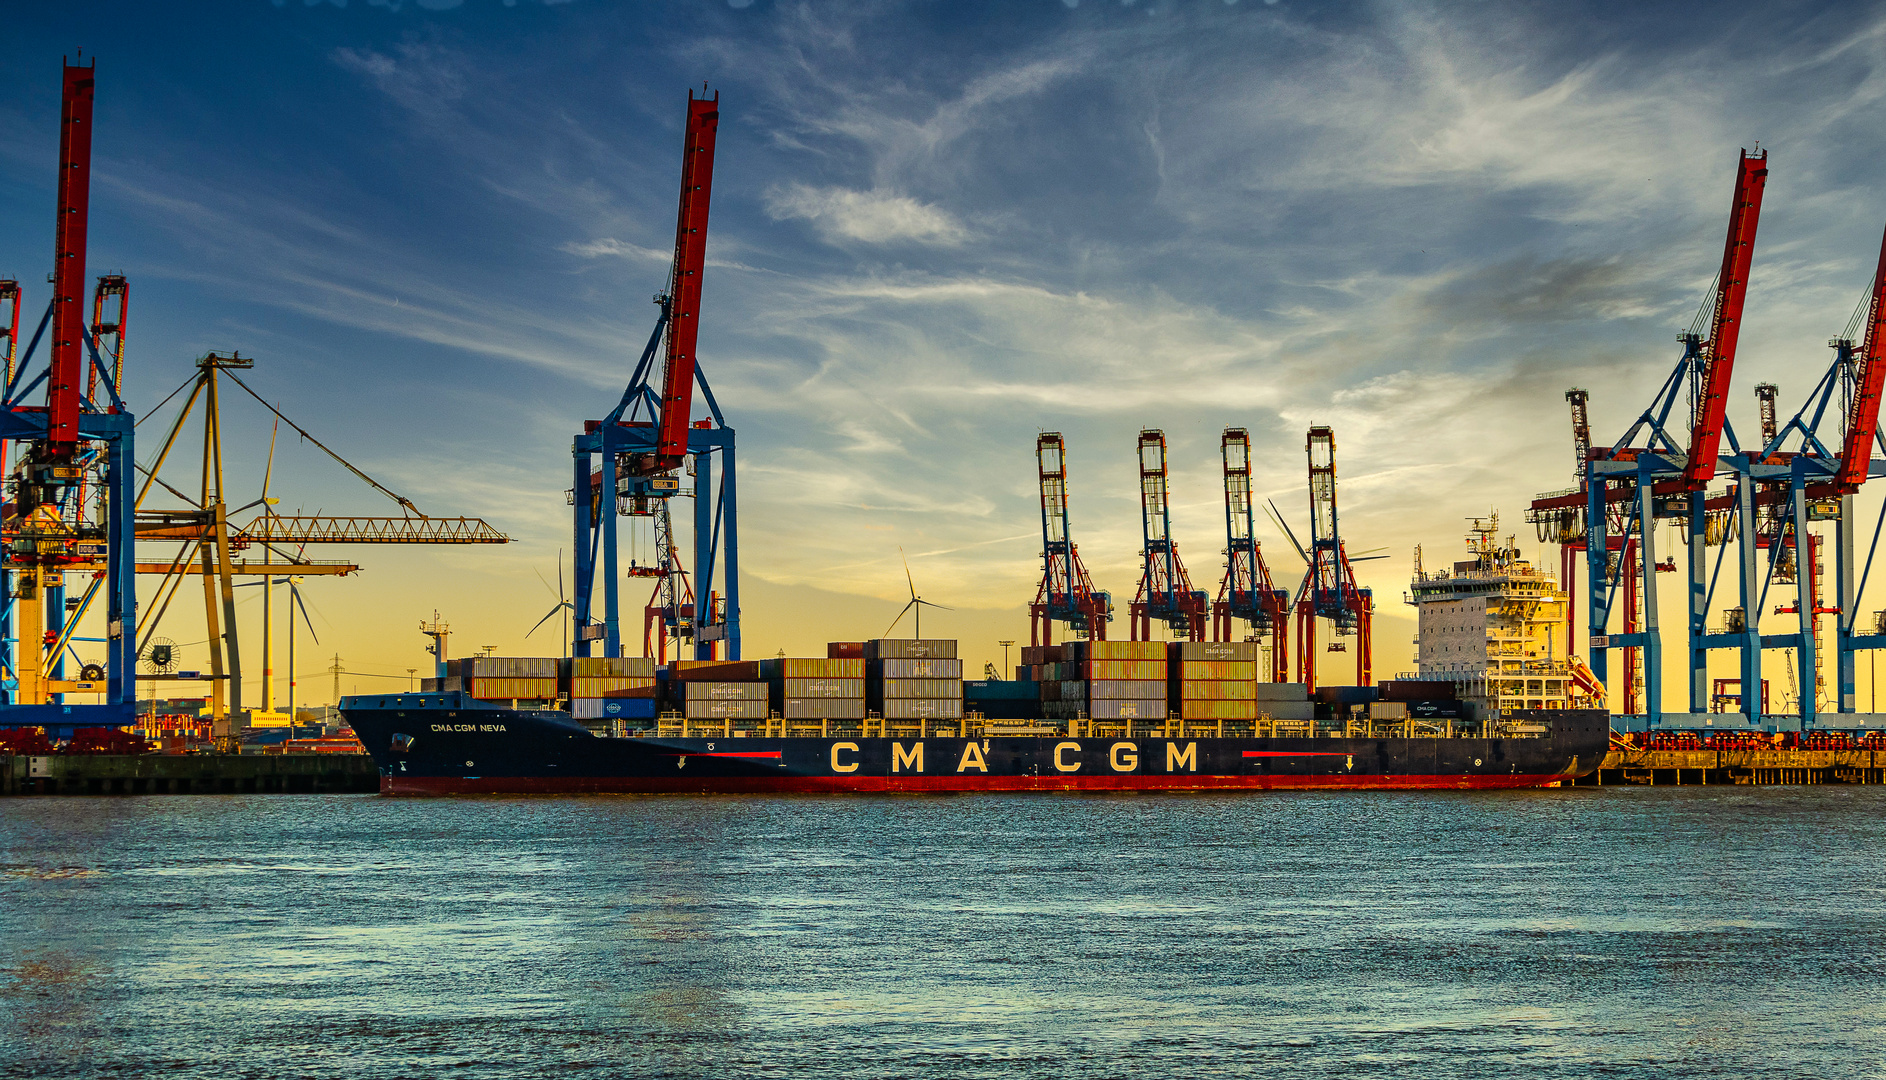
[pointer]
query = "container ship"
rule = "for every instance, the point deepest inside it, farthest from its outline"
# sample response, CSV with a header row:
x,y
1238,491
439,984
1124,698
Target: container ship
x,y
896,715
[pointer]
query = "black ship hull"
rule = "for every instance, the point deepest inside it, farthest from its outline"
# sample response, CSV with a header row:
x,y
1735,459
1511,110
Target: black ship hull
x,y
449,744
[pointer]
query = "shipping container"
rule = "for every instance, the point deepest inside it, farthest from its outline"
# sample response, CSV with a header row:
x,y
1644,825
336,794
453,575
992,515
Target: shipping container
x,y
715,671
722,709
1041,654
726,691
1245,670
919,688
844,650
430,686
612,708
1095,670
1082,651
801,667
911,649
1217,690
1000,689
1345,695
822,708
821,688
1244,651
907,668
1288,710
1388,710
586,687
923,708
1218,710
1283,691
505,689
612,667
1120,709
1141,689
1418,690
508,667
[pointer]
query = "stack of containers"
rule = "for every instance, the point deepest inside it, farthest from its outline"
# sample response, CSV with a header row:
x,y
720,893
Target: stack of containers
x,y
612,687
1214,682
1289,704
728,693
810,692
1034,659
910,680
1120,681
509,678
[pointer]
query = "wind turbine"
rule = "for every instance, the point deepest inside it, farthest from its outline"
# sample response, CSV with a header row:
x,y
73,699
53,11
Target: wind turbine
x,y
916,601
561,605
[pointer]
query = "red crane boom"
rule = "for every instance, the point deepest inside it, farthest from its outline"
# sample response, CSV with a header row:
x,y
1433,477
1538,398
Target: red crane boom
x,y
1863,413
684,291
68,274
1718,359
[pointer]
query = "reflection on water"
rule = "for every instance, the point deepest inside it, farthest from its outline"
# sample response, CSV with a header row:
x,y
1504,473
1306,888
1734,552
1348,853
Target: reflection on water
x,y
1680,932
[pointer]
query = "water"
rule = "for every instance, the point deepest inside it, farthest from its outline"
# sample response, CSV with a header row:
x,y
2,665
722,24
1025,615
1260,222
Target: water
x,y
1669,932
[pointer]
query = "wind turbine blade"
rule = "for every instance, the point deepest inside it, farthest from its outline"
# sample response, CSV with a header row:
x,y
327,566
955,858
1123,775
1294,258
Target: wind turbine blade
x,y
912,582
545,619
545,584
927,603
560,595
1277,518
900,617
295,595
268,470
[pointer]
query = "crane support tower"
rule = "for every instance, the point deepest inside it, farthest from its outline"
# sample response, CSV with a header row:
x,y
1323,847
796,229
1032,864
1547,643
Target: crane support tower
x,y
1165,589
69,497
1247,592
1066,594
1802,477
1329,590
633,461
1660,472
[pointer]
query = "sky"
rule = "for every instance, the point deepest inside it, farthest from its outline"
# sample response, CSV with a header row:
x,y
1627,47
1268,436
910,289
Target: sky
x,y
938,229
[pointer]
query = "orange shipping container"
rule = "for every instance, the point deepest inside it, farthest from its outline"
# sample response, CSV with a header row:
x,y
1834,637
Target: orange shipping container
x,y
608,687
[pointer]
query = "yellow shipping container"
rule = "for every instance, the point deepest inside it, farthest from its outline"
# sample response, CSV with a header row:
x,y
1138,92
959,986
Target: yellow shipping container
x,y
1218,669
1125,669
1218,690
602,687
1218,710
1126,650
506,689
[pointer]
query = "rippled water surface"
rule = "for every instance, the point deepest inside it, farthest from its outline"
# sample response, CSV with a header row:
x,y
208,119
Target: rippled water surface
x,y
1665,932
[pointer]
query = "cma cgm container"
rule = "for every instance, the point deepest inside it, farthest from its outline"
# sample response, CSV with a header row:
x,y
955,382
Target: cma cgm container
x,y
1214,681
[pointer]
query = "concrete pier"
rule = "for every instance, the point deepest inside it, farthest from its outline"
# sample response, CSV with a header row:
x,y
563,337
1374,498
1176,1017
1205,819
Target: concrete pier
x,y
187,774
1743,766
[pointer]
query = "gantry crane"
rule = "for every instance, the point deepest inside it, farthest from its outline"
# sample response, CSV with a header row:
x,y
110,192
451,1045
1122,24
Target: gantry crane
x,y
1657,471
1329,589
1165,589
1066,594
650,437
68,495
1799,477
209,540
1247,591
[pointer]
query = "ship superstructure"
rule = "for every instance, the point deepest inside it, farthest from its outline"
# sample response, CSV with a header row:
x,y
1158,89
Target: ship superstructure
x,y
1494,626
